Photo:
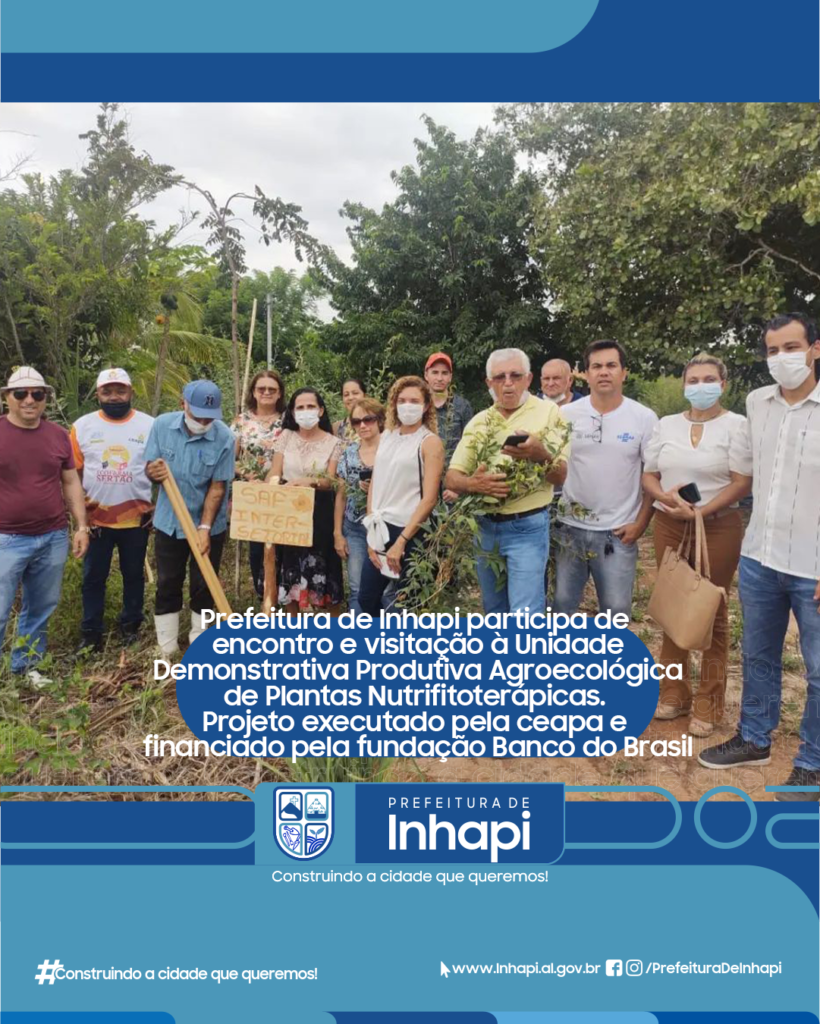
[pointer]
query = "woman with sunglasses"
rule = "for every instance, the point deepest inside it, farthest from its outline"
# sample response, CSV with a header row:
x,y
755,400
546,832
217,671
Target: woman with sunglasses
x,y
352,392
256,429
354,471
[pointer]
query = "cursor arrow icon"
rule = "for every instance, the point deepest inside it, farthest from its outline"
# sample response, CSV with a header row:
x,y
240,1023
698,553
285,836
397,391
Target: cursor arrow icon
x,y
445,970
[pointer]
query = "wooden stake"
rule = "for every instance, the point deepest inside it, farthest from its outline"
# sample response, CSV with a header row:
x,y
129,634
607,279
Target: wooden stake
x,y
269,595
248,356
191,535
269,598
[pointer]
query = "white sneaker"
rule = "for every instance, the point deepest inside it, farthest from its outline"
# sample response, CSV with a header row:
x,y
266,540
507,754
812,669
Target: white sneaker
x,y
196,627
36,680
665,712
167,627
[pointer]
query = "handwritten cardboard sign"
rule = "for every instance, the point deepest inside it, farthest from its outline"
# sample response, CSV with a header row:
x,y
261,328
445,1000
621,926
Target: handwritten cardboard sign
x,y
273,514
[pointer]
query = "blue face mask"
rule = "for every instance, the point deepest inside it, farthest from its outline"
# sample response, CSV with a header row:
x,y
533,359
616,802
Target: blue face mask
x,y
702,396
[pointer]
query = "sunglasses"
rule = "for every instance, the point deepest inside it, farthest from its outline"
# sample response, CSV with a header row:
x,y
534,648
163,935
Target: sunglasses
x,y
499,378
357,422
21,394
267,391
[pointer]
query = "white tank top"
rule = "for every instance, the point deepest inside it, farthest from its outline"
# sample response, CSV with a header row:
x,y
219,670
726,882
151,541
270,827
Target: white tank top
x,y
398,475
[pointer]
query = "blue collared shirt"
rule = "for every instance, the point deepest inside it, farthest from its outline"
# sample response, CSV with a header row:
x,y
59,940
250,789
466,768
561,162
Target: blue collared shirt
x,y
195,462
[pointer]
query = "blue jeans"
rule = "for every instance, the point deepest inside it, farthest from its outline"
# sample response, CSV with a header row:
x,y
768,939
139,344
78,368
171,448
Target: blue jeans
x,y
767,596
524,545
356,537
612,564
131,543
36,563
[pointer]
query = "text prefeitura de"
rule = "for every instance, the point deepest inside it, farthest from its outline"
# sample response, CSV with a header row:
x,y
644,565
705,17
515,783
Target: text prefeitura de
x,y
436,622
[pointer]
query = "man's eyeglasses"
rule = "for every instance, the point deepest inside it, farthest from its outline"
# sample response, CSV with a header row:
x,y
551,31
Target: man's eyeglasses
x,y
21,394
515,377
597,434
357,422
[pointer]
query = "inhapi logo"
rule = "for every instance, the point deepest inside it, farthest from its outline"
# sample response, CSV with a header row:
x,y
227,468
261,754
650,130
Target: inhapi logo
x,y
480,823
46,972
304,821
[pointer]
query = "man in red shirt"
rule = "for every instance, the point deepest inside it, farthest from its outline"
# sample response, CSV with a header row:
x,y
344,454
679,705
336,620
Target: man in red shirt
x,y
39,480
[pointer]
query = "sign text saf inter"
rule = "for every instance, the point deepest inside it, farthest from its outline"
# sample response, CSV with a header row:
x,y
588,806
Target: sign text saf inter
x,y
272,514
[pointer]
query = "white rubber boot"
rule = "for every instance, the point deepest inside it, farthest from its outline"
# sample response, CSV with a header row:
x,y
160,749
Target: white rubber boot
x,y
196,627
167,627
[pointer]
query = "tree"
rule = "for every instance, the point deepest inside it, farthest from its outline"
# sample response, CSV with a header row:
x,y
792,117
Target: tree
x,y
293,310
279,221
75,255
675,227
446,264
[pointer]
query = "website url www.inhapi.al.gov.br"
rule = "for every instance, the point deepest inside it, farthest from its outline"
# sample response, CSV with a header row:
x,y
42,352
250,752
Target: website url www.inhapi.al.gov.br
x,y
612,968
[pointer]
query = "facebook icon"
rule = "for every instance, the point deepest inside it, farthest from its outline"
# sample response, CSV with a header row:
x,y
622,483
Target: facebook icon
x,y
614,968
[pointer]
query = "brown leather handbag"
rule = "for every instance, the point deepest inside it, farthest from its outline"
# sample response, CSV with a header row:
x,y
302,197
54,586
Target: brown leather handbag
x,y
685,602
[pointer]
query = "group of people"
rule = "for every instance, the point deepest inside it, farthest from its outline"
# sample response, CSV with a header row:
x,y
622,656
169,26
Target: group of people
x,y
597,470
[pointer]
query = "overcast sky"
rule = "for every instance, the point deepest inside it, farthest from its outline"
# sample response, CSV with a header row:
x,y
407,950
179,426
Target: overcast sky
x,y
315,155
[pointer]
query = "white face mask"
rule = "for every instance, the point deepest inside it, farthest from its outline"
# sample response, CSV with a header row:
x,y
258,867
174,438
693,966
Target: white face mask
x,y
409,413
559,398
789,369
195,427
307,418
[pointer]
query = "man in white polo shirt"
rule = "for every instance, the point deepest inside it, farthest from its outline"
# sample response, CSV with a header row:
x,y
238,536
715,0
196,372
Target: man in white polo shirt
x,y
603,510
780,559
109,452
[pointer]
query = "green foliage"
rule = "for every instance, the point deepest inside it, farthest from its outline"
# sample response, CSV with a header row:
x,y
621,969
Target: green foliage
x,y
676,227
75,258
442,569
445,265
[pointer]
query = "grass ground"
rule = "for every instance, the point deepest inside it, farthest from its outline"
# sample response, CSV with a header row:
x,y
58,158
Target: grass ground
x,y
88,725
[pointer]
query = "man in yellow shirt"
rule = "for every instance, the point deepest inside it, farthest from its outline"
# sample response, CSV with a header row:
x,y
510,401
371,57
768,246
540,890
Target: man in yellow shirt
x,y
516,525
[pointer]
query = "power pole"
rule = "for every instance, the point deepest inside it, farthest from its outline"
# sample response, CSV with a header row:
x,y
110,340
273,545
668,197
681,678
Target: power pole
x,y
270,334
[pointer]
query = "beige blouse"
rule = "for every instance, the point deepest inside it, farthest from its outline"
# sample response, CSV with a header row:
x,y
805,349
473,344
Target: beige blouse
x,y
306,458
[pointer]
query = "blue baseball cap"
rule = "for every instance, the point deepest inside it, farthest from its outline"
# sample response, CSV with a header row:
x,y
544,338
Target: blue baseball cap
x,y
204,399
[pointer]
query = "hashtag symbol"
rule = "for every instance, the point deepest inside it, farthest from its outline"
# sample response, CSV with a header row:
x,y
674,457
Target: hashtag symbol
x,y
47,971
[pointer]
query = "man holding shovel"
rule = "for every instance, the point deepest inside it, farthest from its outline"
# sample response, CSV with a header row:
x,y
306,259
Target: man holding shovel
x,y
198,448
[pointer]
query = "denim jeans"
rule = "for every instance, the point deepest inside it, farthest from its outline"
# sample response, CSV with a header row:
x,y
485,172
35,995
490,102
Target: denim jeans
x,y
131,543
377,591
767,596
612,564
356,537
524,545
36,563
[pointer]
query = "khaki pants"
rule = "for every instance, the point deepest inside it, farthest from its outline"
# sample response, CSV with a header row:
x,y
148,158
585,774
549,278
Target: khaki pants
x,y
723,538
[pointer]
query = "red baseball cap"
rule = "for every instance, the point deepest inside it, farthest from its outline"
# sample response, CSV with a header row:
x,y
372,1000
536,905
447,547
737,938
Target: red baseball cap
x,y
439,357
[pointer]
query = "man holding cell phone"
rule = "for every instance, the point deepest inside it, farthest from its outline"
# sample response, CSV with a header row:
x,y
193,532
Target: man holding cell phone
x,y
518,531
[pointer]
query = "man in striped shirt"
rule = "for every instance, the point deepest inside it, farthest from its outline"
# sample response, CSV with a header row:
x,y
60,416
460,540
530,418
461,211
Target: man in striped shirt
x,y
780,562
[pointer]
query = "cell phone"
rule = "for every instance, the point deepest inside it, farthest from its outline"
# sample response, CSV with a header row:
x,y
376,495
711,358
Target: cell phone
x,y
690,493
514,440
385,568
366,473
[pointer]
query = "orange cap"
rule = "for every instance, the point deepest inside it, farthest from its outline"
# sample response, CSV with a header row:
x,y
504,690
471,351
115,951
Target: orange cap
x,y
439,357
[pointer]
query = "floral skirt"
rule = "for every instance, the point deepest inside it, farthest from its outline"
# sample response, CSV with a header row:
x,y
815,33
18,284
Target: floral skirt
x,y
312,577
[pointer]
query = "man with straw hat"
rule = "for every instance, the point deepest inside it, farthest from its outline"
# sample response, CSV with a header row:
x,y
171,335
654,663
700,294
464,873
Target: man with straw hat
x,y
39,480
